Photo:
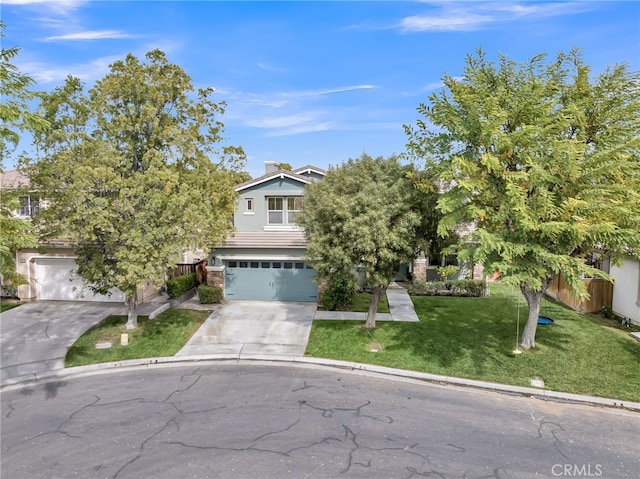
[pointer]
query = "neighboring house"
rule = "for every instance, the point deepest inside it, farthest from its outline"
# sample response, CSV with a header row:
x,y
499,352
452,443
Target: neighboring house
x,y
626,289
50,268
264,259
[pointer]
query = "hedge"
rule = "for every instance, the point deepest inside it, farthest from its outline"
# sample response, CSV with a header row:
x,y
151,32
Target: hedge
x,y
181,284
462,287
209,294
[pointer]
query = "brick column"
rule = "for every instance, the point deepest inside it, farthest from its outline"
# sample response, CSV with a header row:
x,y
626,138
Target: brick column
x,y
419,270
215,277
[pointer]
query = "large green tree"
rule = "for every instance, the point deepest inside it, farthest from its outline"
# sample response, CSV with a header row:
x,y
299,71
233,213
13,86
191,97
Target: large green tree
x,y
543,156
15,117
363,215
134,172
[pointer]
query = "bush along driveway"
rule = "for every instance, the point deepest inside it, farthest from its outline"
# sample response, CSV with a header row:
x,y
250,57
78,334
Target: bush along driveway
x,y
474,338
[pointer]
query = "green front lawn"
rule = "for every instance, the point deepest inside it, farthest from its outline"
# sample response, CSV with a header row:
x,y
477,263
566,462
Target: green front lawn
x,y
162,336
361,303
475,338
6,305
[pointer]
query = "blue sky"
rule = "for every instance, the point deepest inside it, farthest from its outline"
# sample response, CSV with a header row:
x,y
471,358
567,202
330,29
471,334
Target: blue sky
x,y
313,82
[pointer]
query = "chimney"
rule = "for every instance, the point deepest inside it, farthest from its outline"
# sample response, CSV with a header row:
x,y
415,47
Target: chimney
x,y
270,166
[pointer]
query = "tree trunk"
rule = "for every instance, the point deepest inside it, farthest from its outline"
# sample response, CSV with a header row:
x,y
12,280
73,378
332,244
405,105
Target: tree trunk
x,y
378,291
132,311
534,299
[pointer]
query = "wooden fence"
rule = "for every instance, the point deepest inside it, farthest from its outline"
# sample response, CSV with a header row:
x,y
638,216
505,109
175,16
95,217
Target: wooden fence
x,y
199,268
600,294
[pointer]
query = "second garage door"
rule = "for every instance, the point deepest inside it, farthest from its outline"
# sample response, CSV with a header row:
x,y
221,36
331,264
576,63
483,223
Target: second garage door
x,y
56,280
270,281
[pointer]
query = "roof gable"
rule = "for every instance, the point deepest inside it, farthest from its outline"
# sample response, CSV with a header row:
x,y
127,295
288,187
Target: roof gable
x,y
308,169
280,174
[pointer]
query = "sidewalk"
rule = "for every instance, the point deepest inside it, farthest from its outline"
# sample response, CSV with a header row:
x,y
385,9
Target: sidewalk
x,y
400,307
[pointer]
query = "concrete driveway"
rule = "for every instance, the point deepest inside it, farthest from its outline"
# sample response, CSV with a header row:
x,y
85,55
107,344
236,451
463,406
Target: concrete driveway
x,y
35,336
254,327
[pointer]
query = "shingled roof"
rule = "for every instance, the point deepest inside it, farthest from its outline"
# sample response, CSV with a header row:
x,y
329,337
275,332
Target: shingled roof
x,y
13,179
270,176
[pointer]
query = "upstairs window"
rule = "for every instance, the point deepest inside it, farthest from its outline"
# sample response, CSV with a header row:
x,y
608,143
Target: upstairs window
x,y
275,211
294,206
29,206
283,210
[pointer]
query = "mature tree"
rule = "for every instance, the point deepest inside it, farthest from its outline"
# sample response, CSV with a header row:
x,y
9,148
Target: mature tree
x,y
241,177
128,174
284,166
15,117
363,215
544,158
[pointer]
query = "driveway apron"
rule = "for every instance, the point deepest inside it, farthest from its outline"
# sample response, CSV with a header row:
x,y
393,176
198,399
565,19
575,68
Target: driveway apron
x,y
254,327
35,336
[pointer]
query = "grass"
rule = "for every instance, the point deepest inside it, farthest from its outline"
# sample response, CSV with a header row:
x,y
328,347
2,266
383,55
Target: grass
x,y
361,303
475,337
162,336
4,306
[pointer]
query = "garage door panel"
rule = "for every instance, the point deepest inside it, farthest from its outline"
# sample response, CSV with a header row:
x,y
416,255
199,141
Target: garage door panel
x,y
270,281
56,280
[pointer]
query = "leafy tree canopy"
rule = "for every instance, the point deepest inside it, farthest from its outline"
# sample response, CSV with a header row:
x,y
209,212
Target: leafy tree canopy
x,y
16,93
284,166
128,173
363,215
544,158
15,117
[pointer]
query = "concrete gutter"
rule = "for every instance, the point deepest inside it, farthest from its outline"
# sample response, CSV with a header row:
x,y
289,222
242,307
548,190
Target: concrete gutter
x,y
369,370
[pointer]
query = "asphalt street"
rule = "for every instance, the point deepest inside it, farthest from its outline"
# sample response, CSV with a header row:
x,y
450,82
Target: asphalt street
x,y
244,421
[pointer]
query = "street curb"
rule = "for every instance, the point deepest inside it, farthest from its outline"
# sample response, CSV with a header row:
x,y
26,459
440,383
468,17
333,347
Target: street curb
x,y
315,363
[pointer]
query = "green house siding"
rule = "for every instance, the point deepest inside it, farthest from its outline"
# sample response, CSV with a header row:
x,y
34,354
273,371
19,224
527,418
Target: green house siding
x,y
256,219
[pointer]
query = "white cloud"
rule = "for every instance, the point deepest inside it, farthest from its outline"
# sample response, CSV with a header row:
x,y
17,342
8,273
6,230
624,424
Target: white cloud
x,y
59,7
327,91
291,112
92,35
271,68
285,98
87,72
454,21
470,16
291,124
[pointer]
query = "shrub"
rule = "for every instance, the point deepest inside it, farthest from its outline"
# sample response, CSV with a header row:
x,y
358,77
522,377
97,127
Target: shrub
x,y
446,271
607,312
209,294
340,291
181,284
463,287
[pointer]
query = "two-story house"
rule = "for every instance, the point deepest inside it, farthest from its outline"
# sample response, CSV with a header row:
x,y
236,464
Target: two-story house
x,y
264,259
50,269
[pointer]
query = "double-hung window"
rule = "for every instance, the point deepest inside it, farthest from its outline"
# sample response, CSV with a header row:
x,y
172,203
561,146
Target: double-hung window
x,y
283,210
29,206
275,211
294,206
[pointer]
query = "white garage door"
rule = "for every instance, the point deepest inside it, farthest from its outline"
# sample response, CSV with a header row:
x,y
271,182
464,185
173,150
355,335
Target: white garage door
x,y
55,280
